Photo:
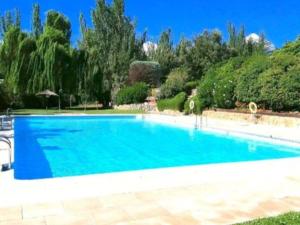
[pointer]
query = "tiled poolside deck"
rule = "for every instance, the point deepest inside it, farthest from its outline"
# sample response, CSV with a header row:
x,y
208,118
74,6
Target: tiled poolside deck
x,y
212,204
221,194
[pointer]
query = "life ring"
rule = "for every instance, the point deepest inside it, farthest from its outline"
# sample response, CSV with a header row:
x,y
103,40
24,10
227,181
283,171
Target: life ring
x,y
192,105
253,107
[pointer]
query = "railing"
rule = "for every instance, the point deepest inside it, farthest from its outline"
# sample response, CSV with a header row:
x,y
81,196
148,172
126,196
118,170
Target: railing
x,y
6,141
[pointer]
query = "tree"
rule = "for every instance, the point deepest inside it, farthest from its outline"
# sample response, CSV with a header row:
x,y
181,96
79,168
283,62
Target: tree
x,y
208,50
59,22
9,19
183,52
37,28
50,64
145,71
113,43
164,54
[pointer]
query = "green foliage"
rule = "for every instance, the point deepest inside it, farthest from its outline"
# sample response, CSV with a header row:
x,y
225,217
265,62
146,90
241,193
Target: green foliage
x,y
248,86
176,103
224,92
199,106
8,20
59,22
189,86
164,54
205,90
242,47
182,52
145,71
175,83
50,64
218,86
110,55
207,51
37,27
291,218
5,99
292,48
280,83
132,94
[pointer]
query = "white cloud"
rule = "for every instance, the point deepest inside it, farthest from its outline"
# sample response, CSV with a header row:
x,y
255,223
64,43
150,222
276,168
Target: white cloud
x,y
269,46
149,46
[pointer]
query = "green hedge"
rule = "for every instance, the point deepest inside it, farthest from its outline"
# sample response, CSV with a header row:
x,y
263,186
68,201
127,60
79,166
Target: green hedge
x,y
174,84
189,86
176,103
133,94
199,106
248,85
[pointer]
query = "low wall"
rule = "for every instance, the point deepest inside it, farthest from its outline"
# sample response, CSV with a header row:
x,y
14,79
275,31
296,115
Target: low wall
x,y
258,119
143,106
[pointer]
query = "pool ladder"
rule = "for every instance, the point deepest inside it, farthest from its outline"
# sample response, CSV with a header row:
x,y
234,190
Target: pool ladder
x,y
6,141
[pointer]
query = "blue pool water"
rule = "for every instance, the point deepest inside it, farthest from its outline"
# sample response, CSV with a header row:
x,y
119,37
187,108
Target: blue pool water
x,y
47,147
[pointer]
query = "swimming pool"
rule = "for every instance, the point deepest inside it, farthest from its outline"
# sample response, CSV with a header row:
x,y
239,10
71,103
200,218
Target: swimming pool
x,y
47,147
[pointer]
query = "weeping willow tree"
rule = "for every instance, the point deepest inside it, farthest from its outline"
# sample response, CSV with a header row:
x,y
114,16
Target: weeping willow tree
x,y
10,56
51,64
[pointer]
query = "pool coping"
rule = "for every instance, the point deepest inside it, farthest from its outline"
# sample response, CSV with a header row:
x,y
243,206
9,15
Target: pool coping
x,y
18,192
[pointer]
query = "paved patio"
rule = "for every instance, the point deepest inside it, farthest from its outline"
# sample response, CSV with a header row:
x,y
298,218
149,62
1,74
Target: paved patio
x,y
208,204
219,194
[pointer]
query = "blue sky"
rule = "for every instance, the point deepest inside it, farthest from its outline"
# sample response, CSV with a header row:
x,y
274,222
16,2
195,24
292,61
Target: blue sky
x,y
278,19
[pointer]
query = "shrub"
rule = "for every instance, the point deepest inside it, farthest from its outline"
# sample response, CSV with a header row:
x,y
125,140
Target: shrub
x,y
174,84
176,103
281,84
133,94
199,106
217,88
189,86
248,87
205,90
5,99
224,96
145,71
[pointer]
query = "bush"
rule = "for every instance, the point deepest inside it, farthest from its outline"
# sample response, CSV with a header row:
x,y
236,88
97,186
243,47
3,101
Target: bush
x,y
199,106
248,85
281,84
145,71
5,99
217,88
133,94
189,86
176,103
224,93
205,90
174,84
224,96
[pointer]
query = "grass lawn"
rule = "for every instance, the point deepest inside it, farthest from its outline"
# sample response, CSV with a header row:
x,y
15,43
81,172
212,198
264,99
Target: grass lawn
x,y
75,111
292,218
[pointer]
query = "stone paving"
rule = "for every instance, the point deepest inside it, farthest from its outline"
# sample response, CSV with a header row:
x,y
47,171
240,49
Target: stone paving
x,y
214,203
177,206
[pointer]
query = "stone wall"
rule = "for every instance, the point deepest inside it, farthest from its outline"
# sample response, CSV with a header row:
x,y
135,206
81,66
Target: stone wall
x,y
258,119
143,106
